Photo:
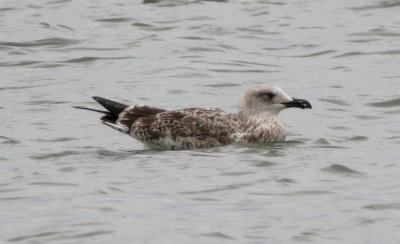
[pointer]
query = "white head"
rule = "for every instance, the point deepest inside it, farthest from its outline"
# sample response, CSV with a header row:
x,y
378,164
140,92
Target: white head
x,y
267,99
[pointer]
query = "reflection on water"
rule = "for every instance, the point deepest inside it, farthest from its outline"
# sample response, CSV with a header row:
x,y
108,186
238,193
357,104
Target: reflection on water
x,y
67,178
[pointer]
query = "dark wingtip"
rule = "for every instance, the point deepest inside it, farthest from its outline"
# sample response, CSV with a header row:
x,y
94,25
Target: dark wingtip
x,y
91,109
113,107
96,98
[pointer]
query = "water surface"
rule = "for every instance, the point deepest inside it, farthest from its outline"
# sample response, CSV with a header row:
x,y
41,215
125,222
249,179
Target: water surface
x,y
65,178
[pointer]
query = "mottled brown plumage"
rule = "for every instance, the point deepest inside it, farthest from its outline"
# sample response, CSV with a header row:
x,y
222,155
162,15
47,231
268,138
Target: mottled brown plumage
x,y
182,129
189,128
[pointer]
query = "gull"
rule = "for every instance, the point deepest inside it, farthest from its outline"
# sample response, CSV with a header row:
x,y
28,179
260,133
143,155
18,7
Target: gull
x,y
190,128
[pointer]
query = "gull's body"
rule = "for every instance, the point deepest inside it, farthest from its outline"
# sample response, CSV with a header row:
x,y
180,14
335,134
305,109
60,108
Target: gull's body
x,y
255,122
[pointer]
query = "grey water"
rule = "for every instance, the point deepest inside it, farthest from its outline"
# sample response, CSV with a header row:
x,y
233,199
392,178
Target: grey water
x,y
66,178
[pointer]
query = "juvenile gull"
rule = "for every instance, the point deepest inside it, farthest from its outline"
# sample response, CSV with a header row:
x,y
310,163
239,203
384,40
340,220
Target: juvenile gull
x,y
189,128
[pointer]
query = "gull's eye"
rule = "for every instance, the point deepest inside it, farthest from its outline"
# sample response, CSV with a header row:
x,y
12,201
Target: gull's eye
x,y
267,95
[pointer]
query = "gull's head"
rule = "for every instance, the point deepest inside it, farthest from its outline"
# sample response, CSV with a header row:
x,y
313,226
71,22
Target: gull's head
x,y
268,99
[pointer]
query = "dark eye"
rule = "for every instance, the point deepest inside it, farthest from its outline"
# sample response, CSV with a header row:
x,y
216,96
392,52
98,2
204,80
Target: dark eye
x,y
267,95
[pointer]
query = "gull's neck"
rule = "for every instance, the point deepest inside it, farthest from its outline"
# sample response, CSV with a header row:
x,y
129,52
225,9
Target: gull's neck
x,y
250,115
261,127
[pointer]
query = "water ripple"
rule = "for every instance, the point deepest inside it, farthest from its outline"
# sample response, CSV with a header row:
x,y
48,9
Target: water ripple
x,y
150,27
38,235
59,235
315,54
7,9
349,54
380,206
310,192
8,140
54,155
219,235
322,141
62,184
44,102
240,173
114,20
358,138
386,104
67,169
241,71
377,32
25,87
19,63
334,101
305,236
218,189
56,41
225,84
12,198
262,163
11,190
91,59
367,117
380,5
249,63
196,38
87,234
341,169
204,199
58,139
